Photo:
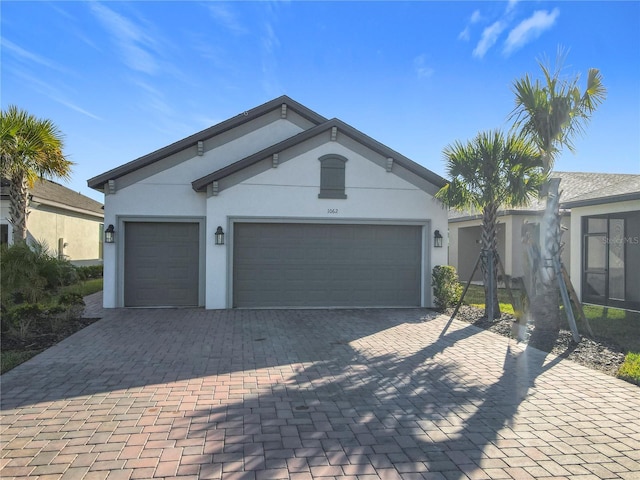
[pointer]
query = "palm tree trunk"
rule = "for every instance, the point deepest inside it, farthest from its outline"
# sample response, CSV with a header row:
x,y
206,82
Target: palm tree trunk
x,y
490,267
545,304
18,203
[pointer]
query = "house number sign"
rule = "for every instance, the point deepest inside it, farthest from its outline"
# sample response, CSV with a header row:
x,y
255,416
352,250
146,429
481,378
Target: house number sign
x,y
332,210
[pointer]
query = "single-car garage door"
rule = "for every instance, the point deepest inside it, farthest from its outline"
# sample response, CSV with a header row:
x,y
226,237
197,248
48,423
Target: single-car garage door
x,y
161,264
316,265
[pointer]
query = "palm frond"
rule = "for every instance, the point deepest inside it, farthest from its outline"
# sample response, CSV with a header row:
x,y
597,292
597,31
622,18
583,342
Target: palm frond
x,y
552,113
492,169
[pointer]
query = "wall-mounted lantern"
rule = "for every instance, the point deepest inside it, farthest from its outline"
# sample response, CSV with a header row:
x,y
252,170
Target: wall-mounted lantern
x,y
109,234
219,236
437,239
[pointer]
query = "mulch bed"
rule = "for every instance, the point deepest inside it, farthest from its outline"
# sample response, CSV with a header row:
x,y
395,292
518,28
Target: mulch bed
x,y
597,354
41,340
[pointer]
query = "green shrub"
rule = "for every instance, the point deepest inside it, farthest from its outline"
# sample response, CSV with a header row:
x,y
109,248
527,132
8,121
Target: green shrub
x,y
89,272
70,305
31,275
58,273
24,318
70,298
630,369
21,280
446,287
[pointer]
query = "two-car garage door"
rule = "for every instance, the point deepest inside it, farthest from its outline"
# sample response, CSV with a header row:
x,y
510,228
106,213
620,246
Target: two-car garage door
x,y
334,265
278,265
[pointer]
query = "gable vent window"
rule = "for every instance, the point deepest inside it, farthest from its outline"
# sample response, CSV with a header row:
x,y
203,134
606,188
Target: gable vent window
x,y
332,173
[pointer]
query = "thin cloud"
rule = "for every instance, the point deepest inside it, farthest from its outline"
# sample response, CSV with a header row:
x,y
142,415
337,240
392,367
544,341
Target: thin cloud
x,y
270,40
27,56
205,121
511,5
73,106
130,38
466,33
421,68
227,18
530,29
270,43
152,99
49,91
489,38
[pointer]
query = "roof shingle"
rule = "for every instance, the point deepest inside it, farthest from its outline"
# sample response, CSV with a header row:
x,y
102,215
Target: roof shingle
x,y
46,190
576,187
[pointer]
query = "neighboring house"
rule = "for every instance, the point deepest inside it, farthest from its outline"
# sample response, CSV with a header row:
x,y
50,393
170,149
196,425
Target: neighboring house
x,y
69,223
311,213
597,209
605,259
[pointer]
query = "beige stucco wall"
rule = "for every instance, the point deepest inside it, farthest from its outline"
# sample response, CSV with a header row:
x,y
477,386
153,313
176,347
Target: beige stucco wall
x,y
463,249
80,232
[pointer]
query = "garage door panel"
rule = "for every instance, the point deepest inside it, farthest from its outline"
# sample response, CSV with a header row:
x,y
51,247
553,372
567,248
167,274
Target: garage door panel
x,y
326,265
161,264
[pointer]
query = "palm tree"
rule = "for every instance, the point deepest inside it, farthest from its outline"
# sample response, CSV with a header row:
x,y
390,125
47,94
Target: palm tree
x,y
30,149
551,113
488,173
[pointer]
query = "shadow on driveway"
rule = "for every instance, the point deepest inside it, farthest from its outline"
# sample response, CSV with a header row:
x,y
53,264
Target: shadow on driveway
x,y
263,394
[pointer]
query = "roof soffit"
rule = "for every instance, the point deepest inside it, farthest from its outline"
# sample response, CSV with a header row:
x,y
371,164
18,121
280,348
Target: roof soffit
x,y
306,140
302,116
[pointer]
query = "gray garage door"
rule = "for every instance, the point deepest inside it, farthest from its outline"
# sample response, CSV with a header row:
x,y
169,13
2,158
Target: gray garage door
x,y
161,264
278,265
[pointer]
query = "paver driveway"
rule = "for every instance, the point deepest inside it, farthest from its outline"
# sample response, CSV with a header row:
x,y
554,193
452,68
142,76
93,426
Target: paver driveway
x,y
310,394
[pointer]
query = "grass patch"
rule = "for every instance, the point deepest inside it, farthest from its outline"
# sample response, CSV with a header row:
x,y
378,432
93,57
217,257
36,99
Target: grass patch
x,y
475,298
614,324
84,288
504,307
621,327
630,369
13,358
617,325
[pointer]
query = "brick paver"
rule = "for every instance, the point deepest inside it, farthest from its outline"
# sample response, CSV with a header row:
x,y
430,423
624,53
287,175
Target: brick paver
x,y
309,394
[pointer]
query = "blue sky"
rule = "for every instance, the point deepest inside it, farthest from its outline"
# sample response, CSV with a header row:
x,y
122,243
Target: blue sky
x,y
122,79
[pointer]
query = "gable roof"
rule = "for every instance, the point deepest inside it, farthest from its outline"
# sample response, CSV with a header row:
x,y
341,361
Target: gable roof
x,y
577,189
53,194
99,181
200,184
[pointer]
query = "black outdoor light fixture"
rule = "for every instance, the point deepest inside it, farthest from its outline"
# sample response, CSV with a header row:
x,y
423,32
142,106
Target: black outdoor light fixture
x,y
109,234
437,239
219,236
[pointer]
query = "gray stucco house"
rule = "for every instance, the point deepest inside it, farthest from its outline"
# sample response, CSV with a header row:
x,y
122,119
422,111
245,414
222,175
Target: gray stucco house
x,y
277,206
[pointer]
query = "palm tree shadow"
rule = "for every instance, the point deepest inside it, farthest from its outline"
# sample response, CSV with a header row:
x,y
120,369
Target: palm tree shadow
x,y
408,413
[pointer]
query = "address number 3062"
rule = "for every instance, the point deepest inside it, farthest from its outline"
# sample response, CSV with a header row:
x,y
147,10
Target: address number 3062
x,y
332,210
